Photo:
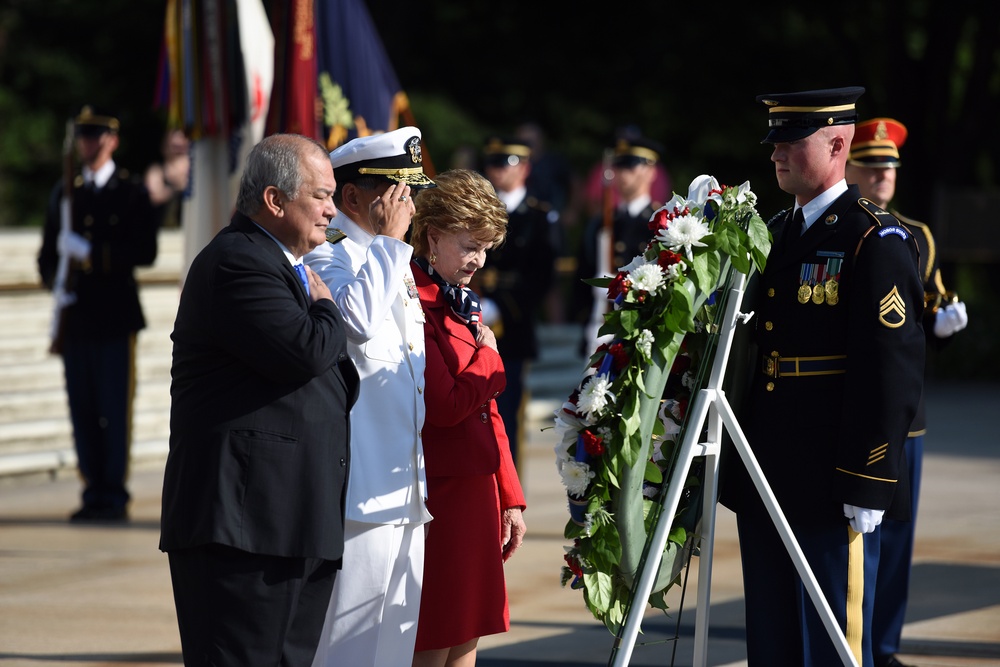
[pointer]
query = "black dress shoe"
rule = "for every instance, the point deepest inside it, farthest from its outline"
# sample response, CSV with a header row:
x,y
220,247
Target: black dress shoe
x,y
99,514
889,661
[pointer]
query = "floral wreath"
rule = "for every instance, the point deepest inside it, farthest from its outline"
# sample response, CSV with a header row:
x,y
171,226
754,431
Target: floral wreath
x,y
621,428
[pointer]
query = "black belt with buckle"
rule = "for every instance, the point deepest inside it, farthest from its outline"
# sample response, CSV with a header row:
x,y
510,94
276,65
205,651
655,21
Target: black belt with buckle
x,y
779,367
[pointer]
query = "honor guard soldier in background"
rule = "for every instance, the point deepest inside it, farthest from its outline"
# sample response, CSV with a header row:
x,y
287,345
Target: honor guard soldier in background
x,y
838,380
624,226
872,166
517,277
89,258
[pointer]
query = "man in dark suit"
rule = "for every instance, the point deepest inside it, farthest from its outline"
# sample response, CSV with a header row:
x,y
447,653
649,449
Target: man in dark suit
x,y
89,262
517,276
838,328
253,491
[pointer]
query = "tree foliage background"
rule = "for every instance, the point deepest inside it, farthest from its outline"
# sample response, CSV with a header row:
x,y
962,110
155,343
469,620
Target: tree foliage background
x,y
687,75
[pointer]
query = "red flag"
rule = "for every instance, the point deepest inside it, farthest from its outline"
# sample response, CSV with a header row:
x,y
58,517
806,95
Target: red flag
x,y
293,105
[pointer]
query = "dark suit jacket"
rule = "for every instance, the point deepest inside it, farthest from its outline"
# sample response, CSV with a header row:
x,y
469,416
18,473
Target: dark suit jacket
x,y
517,276
831,439
261,395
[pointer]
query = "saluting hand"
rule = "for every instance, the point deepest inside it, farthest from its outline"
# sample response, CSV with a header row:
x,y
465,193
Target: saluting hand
x,y
390,214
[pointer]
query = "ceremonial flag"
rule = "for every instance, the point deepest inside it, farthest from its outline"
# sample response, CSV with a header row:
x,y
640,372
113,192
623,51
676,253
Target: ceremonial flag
x,y
357,84
216,72
293,98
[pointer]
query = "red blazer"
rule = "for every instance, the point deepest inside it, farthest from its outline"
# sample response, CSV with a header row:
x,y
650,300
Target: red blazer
x,y
463,432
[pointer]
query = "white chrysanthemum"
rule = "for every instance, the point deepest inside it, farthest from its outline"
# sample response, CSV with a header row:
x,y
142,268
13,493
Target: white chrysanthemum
x,y
647,278
595,396
684,232
644,343
676,270
576,477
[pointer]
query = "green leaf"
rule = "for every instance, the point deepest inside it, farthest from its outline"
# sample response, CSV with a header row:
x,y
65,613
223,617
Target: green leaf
x,y
653,473
598,588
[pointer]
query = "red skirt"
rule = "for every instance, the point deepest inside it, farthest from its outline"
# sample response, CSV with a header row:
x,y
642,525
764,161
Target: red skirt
x,y
464,594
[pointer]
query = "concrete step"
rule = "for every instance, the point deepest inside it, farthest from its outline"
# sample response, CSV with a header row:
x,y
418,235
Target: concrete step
x,y
35,430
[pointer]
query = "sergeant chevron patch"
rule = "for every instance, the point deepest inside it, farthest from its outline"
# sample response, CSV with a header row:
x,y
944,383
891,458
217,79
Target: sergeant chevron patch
x,y
892,310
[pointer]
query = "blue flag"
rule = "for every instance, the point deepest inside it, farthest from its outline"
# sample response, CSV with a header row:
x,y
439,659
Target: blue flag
x,y
357,84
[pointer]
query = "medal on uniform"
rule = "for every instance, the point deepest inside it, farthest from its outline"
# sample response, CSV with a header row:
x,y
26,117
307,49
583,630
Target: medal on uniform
x,y
832,285
805,289
411,287
818,293
832,292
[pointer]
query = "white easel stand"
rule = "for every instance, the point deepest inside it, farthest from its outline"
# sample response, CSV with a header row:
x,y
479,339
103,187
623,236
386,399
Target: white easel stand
x,y
711,405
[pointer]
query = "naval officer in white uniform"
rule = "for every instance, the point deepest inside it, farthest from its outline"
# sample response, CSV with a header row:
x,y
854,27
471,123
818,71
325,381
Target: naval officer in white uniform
x,y
372,617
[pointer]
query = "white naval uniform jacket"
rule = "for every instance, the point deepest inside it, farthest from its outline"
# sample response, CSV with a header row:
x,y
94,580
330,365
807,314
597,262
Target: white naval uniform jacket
x,y
369,278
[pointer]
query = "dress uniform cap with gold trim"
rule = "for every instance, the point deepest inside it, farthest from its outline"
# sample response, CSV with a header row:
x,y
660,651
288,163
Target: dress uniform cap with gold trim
x,y
876,143
794,116
94,121
632,151
501,151
394,156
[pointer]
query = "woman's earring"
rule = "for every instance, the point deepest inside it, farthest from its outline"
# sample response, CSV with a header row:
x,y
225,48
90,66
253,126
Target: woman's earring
x,y
434,258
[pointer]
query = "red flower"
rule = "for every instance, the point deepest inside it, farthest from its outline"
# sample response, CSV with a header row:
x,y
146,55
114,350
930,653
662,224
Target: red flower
x,y
619,285
668,258
573,565
660,220
620,354
682,408
593,444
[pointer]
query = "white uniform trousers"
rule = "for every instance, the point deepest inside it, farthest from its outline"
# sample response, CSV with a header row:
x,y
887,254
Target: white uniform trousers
x,y
372,617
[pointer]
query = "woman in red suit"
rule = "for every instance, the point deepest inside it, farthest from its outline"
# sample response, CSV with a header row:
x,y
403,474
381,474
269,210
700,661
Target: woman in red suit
x,y
473,491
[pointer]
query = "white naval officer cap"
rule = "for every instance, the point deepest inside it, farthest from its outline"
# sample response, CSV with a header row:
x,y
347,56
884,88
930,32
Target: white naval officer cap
x,y
395,156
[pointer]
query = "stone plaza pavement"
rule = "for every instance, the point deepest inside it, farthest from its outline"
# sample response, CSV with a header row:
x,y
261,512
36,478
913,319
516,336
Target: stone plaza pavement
x,y
100,595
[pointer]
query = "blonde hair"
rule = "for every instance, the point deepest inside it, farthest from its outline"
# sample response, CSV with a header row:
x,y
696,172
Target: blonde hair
x,y
463,201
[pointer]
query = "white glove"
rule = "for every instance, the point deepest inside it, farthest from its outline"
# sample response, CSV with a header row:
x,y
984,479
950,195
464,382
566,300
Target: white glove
x,y
863,520
74,245
950,319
